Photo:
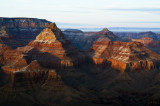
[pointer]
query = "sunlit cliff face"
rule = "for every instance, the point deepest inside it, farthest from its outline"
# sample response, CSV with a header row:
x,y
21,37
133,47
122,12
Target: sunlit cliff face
x,y
123,56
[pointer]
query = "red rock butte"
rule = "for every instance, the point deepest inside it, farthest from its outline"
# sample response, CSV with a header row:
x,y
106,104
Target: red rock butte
x,y
50,49
124,56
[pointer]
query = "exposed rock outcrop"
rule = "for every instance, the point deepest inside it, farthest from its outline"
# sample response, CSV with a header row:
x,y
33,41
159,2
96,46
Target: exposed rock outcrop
x,y
104,33
11,58
23,30
135,35
8,39
52,50
33,75
150,43
84,40
76,37
150,39
132,56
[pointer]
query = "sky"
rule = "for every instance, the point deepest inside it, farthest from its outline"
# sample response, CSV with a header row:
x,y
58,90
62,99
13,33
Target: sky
x,y
87,13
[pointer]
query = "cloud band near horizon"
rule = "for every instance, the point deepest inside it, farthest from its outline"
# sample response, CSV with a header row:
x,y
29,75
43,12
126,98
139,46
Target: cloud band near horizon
x,y
133,9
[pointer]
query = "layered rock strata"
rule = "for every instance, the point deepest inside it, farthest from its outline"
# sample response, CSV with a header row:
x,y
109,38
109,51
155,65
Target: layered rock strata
x,y
124,56
150,43
85,40
23,30
51,49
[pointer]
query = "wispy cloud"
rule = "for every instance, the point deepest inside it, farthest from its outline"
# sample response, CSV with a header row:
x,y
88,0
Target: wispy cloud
x,y
74,11
146,22
138,22
133,9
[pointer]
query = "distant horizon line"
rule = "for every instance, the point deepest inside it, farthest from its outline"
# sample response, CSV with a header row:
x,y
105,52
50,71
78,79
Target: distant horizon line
x,y
77,25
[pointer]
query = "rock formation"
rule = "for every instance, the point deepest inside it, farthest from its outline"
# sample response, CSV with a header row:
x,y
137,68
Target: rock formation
x,y
11,58
23,29
26,64
76,37
32,74
124,56
84,40
150,43
8,39
135,35
104,33
51,49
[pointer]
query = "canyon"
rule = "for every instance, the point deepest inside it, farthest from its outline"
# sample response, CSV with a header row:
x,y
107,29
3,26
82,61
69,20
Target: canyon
x,y
42,65
85,40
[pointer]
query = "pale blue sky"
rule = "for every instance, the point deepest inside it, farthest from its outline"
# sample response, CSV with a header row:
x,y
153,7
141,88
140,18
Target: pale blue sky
x,y
90,13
